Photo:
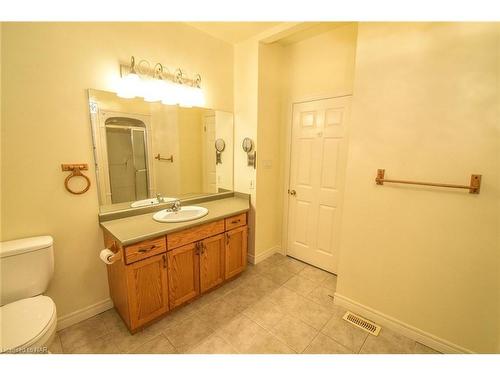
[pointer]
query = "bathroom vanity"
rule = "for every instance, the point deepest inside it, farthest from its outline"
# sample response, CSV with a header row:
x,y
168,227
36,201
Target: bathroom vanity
x,y
162,266
147,156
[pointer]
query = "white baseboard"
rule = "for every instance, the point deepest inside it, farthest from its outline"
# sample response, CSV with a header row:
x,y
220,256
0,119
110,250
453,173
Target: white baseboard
x,y
266,254
82,314
400,327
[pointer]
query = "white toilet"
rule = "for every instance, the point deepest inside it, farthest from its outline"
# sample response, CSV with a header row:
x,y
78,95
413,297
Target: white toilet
x,y
27,318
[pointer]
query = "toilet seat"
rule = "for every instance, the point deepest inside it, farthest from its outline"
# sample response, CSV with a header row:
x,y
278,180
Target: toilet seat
x,y
27,323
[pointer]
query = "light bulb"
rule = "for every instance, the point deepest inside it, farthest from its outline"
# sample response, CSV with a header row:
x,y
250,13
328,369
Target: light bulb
x,y
198,97
186,96
169,95
129,86
154,89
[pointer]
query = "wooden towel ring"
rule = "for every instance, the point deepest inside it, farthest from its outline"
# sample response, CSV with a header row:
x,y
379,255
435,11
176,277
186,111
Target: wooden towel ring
x,y
75,170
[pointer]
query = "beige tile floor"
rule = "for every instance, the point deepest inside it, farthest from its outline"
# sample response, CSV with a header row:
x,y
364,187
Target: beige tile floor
x,y
280,305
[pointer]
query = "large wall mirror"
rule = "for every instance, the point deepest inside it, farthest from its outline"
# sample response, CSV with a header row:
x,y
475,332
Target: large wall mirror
x,y
145,151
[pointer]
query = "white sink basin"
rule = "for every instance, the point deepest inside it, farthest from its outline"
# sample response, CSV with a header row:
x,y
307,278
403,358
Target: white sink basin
x,y
186,213
151,202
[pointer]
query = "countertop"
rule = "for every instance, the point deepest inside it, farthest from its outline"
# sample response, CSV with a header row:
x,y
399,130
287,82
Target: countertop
x,y
133,229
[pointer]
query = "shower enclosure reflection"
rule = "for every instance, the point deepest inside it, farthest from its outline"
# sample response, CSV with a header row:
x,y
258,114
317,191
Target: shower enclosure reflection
x,y
128,172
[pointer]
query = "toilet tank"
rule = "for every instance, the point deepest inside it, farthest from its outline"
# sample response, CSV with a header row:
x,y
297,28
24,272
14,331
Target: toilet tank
x,y
26,268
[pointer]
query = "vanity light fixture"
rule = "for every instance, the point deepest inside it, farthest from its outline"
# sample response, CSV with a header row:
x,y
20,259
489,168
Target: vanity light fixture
x,y
159,85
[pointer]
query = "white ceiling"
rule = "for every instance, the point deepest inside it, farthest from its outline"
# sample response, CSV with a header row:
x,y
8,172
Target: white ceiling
x,y
233,32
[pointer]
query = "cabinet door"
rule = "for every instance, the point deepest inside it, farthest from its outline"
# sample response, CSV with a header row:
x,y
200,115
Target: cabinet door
x,y
212,262
236,251
147,287
183,274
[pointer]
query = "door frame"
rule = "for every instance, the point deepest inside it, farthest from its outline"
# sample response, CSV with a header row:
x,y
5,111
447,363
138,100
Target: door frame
x,y
206,150
288,150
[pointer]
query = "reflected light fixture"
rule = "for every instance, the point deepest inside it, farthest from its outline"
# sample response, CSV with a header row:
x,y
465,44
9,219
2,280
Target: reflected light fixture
x,y
159,85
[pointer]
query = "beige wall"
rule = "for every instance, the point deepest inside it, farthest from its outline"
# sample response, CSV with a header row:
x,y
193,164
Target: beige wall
x,y
224,128
190,128
269,155
245,123
46,69
165,134
425,108
323,65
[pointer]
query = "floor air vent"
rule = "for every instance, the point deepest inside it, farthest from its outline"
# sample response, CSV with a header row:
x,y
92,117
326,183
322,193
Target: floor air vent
x,y
362,323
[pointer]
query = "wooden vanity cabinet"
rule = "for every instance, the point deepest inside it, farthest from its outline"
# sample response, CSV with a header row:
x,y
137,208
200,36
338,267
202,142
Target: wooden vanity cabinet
x,y
157,275
212,262
195,268
183,274
139,289
147,289
236,251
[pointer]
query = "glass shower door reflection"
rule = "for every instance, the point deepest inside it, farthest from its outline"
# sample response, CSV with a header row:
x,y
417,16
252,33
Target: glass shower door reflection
x,y
140,163
128,175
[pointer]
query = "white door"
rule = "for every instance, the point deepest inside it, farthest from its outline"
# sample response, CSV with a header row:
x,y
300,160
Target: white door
x,y
209,173
317,169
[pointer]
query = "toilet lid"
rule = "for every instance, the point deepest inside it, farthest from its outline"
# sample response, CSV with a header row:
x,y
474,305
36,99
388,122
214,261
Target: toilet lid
x,y
23,321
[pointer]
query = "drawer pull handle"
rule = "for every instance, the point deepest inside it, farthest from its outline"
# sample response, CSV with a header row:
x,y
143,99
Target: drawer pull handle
x,y
235,221
145,250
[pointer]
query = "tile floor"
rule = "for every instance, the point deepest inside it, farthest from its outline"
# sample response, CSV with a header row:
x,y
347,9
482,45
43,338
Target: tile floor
x,y
280,305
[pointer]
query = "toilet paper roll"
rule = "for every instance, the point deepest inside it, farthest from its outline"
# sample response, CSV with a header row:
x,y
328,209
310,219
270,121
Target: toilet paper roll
x,y
106,255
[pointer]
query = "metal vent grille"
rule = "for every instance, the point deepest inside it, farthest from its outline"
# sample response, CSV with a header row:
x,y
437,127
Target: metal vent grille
x,y
362,323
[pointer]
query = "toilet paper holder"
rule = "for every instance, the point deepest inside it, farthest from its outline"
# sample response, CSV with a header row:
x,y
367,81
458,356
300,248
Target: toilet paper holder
x,y
117,253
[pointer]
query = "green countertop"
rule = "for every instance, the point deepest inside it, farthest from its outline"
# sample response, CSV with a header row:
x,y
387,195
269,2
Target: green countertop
x,y
133,229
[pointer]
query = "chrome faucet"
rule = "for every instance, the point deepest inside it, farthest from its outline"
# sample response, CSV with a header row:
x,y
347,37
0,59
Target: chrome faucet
x,y
159,198
176,206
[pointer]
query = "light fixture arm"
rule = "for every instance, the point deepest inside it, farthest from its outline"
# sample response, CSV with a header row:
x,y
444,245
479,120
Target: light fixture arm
x,y
132,65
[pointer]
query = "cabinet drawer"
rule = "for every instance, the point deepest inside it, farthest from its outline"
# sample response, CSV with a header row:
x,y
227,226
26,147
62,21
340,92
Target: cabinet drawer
x,y
190,235
144,249
236,221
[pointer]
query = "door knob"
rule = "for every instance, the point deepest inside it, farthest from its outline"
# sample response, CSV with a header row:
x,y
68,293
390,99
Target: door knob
x,y
292,192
